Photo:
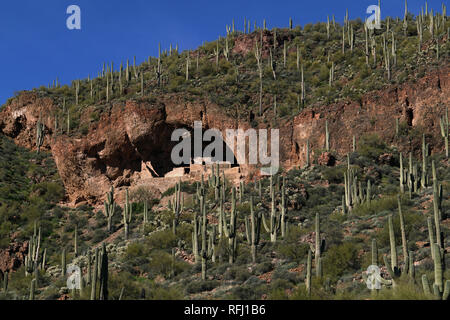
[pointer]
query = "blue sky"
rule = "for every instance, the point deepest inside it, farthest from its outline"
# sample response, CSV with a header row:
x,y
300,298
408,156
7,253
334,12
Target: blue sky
x,y
36,47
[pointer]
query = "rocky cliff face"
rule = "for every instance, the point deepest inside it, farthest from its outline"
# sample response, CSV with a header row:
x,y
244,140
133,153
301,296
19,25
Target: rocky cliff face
x,y
12,257
420,105
131,143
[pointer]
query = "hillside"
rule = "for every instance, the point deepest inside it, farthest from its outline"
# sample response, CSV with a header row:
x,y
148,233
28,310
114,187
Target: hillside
x,y
363,119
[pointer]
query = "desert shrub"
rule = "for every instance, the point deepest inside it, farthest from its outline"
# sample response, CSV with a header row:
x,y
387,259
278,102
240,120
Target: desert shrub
x,y
291,249
99,235
237,273
201,286
161,293
247,292
162,239
185,187
412,221
50,192
125,280
403,291
341,259
243,255
142,194
371,146
263,268
135,250
283,273
161,263
386,203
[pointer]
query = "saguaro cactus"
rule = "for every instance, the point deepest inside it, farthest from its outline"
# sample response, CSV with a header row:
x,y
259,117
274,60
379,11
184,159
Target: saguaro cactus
x,y
308,273
195,238
104,274
423,180
75,241
32,258
204,252
403,232
444,131
258,56
284,222
253,230
110,208
394,271
5,282
437,197
145,212
177,205
229,229
95,275
32,289
405,19
318,248
39,135
441,291
374,252
63,263
402,175
275,221
126,215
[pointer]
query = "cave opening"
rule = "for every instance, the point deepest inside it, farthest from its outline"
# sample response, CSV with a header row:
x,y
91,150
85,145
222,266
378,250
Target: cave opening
x,y
159,160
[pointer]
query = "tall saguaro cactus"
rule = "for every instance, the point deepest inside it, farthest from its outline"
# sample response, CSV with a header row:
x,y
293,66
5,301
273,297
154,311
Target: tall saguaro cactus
x,y
253,230
258,56
32,258
284,223
402,175
39,135
275,221
63,263
229,229
110,208
204,252
104,274
317,250
441,291
308,273
95,275
423,180
393,269
126,215
75,241
158,68
32,289
177,205
445,130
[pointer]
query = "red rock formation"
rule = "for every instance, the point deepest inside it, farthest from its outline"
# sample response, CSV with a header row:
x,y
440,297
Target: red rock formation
x,y
13,257
131,142
326,159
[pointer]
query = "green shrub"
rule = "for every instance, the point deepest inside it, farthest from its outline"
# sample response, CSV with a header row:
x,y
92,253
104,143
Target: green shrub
x,y
201,286
371,146
334,174
341,259
162,240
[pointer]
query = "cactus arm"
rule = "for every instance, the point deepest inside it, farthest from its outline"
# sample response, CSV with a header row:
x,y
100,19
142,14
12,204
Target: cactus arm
x,y
426,285
446,292
265,223
438,272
